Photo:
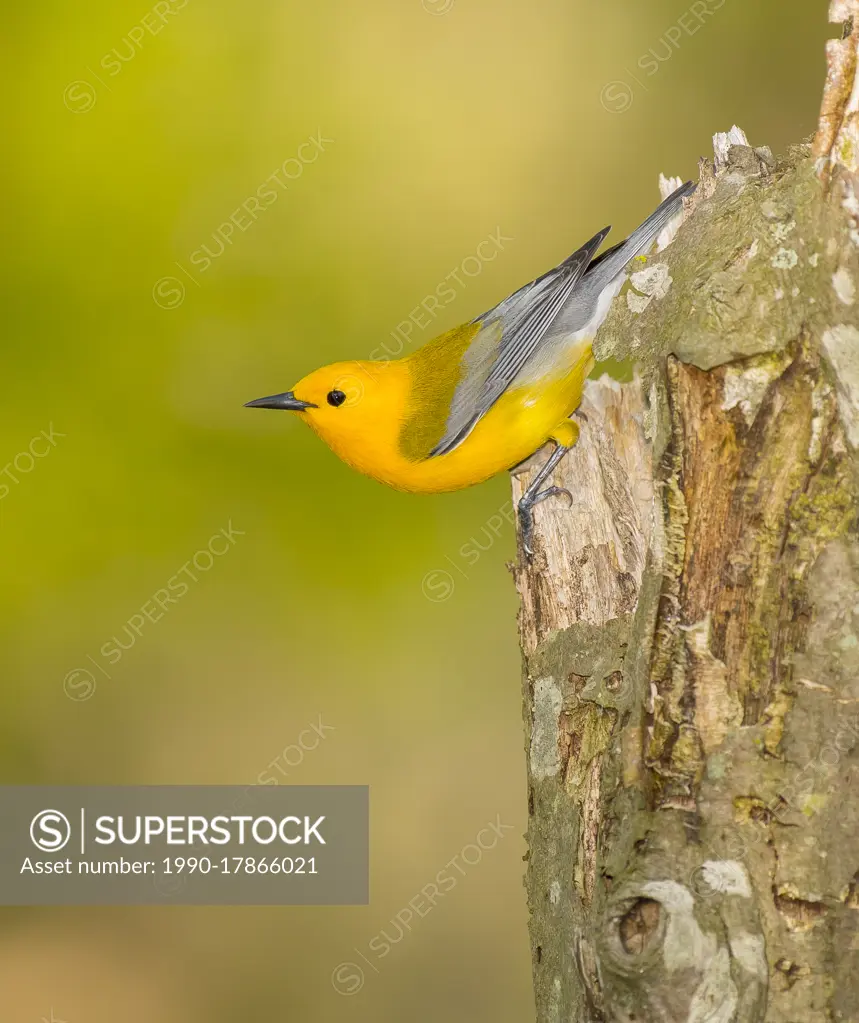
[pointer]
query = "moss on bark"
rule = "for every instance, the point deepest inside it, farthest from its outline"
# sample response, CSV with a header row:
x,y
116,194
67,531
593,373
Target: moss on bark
x,y
692,719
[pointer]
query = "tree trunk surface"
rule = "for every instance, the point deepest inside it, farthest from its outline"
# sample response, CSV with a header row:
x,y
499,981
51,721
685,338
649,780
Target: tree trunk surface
x,y
690,625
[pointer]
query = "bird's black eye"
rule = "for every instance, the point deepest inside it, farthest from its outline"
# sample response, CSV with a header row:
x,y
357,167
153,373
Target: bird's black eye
x,y
336,398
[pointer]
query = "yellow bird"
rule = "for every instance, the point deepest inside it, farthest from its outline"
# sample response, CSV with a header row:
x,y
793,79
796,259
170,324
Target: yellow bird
x,y
484,396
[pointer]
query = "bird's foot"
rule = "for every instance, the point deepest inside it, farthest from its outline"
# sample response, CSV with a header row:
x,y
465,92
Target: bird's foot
x,y
534,495
526,514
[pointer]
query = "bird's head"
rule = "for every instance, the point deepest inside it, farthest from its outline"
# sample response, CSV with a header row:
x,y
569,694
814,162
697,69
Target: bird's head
x,y
341,402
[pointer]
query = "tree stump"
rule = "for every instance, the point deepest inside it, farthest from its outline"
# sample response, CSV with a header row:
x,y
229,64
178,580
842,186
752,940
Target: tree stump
x,y
690,626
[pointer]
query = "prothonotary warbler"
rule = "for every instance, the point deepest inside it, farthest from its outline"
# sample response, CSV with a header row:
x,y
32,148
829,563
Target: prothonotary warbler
x,y
484,396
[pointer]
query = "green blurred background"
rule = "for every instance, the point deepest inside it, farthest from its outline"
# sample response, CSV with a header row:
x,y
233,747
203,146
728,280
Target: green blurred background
x,y
131,136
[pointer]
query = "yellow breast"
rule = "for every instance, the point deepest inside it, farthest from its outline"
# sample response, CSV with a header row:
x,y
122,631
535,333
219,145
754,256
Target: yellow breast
x,y
523,419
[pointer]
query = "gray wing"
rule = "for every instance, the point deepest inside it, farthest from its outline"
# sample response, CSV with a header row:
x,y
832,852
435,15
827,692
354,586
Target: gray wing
x,y
508,337
513,331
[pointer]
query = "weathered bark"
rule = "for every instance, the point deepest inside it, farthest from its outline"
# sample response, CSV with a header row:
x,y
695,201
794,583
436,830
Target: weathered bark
x,y
690,626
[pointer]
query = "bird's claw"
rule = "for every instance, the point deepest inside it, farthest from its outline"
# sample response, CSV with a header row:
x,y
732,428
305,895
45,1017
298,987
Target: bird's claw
x,y
526,524
526,515
553,492
534,495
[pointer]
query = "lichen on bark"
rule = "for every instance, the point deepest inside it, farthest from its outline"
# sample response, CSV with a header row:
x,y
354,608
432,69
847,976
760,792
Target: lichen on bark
x,y
690,628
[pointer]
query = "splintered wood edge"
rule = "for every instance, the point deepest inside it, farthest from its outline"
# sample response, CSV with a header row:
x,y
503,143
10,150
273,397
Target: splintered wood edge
x,y
837,138
590,553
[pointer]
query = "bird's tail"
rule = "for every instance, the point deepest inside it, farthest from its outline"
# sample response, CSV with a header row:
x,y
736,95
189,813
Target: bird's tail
x,y
607,266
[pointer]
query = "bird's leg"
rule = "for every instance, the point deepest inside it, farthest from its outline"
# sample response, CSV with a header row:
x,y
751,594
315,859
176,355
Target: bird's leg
x,y
566,434
534,495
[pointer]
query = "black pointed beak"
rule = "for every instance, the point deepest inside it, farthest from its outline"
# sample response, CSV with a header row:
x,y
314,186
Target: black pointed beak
x,y
287,401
